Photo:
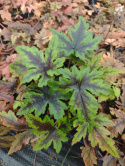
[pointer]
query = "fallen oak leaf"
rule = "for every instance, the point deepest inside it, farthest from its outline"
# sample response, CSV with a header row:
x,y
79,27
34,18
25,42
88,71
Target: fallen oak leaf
x,y
42,37
5,96
37,8
66,24
20,26
7,86
116,35
68,10
5,14
2,105
109,61
6,91
4,66
64,3
5,106
119,43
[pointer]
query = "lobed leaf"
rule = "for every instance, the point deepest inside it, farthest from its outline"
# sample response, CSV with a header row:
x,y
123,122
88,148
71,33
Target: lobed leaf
x,y
84,84
99,135
20,139
110,161
57,137
4,130
113,161
81,41
88,155
10,120
36,66
81,133
5,141
39,101
5,96
119,122
38,125
52,134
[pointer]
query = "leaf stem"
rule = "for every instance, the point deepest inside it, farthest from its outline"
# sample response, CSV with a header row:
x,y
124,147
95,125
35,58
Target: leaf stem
x,y
35,158
102,158
85,143
69,64
66,156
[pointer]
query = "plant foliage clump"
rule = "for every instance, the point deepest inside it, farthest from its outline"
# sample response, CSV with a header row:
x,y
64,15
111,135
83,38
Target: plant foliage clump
x,y
62,89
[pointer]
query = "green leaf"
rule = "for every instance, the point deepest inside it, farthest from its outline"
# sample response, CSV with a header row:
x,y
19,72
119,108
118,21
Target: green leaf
x,y
18,68
56,136
81,133
65,124
102,97
38,125
110,71
35,66
84,85
39,101
82,128
81,42
93,62
103,120
99,135
116,91
52,134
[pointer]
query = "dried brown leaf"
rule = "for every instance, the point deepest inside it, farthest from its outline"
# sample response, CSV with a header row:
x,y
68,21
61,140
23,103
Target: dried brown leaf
x,y
4,66
20,140
37,8
10,120
20,26
42,37
5,141
88,155
5,14
113,161
109,61
119,122
109,161
66,24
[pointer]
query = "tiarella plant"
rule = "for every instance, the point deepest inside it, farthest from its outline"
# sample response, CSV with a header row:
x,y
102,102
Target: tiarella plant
x,y
62,89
